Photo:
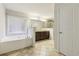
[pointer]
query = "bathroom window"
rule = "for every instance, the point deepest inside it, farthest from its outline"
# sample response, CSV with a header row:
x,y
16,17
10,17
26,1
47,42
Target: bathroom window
x,y
15,25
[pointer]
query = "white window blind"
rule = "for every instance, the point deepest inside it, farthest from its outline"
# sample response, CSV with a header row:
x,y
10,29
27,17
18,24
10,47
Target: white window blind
x,y
15,25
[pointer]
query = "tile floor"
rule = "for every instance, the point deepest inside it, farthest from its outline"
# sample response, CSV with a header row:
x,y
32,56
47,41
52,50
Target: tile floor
x,y
41,48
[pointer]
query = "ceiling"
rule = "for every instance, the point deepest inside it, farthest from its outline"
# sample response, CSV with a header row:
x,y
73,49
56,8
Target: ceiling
x,y
39,9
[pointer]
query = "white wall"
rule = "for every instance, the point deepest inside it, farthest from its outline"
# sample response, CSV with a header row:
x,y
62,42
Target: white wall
x,y
18,41
56,28
37,23
2,21
38,9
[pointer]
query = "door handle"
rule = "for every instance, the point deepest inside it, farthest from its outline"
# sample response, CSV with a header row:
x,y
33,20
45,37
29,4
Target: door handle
x,y
60,32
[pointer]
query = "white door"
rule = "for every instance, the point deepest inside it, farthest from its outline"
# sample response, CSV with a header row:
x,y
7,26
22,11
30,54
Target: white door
x,y
76,31
66,29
